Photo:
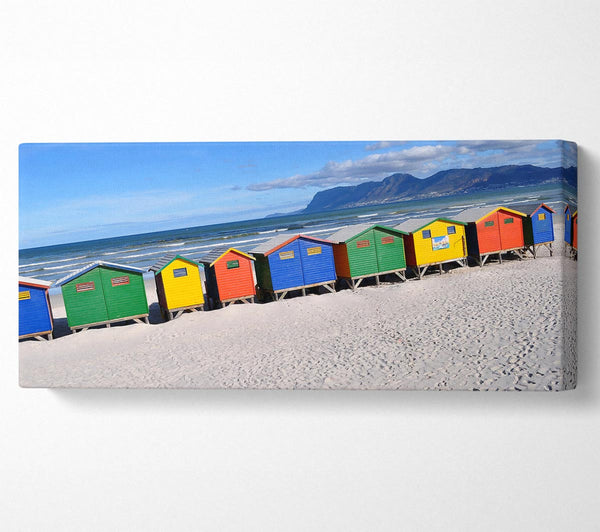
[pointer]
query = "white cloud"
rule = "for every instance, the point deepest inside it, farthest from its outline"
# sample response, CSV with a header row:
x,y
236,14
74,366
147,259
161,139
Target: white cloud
x,y
420,161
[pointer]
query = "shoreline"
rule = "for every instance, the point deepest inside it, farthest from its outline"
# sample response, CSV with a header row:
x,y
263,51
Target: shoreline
x,y
471,328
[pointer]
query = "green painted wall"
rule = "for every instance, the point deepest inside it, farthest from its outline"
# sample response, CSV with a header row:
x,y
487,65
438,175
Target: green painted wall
x,y
376,257
85,307
105,302
124,300
362,260
263,275
389,256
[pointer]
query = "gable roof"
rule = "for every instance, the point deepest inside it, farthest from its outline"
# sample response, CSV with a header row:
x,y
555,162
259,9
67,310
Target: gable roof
x,y
163,262
530,208
277,242
475,214
351,231
93,265
416,224
30,281
215,254
567,208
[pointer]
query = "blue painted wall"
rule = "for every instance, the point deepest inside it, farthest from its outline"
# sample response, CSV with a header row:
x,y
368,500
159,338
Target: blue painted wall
x,y
302,269
568,226
317,267
543,230
34,313
286,272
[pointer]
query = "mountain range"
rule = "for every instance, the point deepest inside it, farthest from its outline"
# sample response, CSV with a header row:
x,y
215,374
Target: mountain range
x,y
401,187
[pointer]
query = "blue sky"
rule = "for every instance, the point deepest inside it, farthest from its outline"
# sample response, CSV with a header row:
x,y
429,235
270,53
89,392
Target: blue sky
x,y
74,192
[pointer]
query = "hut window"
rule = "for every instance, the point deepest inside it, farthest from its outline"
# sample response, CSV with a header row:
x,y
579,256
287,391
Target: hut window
x,y
387,240
286,255
426,234
314,251
489,223
24,295
509,220
180,272
363,243
231,264
119,281
85,287
542,216
451,230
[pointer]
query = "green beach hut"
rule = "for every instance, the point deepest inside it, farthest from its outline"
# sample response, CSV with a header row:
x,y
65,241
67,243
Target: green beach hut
x,y
102,293
366,250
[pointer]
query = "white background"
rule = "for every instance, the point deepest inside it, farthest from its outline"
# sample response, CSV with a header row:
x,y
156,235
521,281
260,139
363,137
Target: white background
x,y
309,70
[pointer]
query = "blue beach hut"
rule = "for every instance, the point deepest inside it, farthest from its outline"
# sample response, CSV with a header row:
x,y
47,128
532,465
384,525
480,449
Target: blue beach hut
x,y
285,263
35,313
568,225
538,226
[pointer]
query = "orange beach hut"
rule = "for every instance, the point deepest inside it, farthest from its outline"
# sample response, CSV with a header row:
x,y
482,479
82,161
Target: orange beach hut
x,y
229,276
492,231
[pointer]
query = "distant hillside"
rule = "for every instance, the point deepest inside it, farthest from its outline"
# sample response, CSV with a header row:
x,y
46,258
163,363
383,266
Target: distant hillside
x,y
400,187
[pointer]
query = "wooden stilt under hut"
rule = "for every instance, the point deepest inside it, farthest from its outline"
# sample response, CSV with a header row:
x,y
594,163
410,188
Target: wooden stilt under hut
x,y
365,251
102,293
229,277
288,263
178,286
35,312
433,242
493,231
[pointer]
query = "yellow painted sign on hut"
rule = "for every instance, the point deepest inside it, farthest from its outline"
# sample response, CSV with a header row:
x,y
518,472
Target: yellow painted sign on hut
x,y
178,284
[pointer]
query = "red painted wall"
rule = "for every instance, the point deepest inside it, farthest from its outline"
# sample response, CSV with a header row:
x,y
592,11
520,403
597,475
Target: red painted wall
x,y
501,235
511,234
235,282
488,237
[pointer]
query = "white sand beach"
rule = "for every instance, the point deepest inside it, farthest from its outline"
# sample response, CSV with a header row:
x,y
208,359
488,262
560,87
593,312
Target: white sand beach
x,y
492,328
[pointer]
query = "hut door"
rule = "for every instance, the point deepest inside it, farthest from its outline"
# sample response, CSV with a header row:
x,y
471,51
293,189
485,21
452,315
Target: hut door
x,y
390,251
511,230
286,267
488,234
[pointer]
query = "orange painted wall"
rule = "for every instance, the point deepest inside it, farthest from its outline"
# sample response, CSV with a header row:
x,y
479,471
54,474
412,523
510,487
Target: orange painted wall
x,y
234,282
488,237
340,255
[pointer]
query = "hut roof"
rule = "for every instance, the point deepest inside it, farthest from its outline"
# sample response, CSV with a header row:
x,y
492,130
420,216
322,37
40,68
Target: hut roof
x,y
215,254
351,231
30,281
277,242
163,262
477,213
93,265
567,208
530,208
415,224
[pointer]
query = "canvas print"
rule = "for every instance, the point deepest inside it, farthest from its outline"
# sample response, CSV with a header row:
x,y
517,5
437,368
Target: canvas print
x,y
396,265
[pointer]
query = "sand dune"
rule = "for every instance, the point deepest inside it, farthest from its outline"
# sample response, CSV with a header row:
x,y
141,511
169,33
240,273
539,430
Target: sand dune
x,y
491,328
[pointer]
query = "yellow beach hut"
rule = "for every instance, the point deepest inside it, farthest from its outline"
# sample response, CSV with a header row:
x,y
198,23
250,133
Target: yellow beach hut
x,y
433,242
178,285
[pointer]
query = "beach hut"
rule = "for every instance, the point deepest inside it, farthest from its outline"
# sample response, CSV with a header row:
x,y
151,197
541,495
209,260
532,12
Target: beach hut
x,y
492,231
365,250
35,313
433,242
178,285
568,225
575,219
102,293
229,276
285,263
538,226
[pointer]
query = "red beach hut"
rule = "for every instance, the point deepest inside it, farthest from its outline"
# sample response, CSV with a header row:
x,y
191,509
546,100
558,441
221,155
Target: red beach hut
x,y
493,231
229,276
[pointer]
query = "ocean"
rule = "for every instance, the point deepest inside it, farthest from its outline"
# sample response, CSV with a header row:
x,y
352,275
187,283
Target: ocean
x,y
51,263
